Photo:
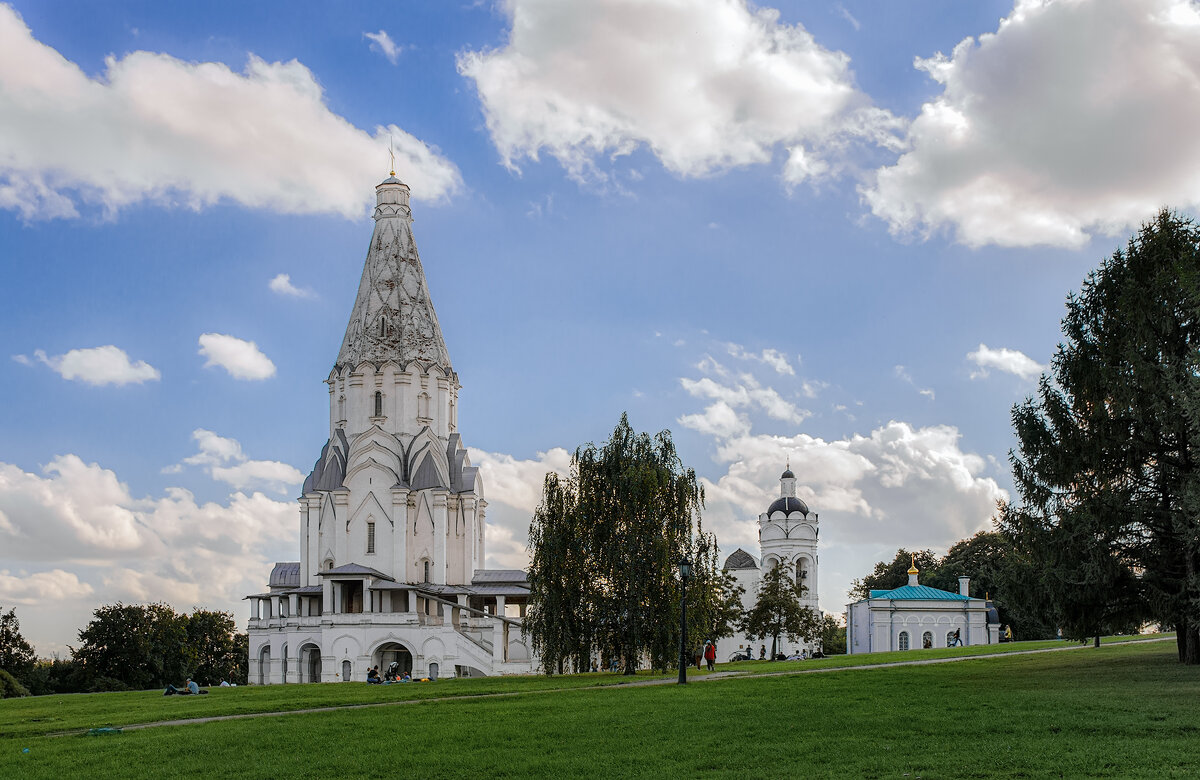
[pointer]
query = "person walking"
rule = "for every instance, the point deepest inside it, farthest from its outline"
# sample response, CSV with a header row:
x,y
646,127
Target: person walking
x,y
710,654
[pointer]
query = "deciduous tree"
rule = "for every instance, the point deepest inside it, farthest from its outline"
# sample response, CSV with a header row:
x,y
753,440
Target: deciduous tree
x,y
16,655
777,610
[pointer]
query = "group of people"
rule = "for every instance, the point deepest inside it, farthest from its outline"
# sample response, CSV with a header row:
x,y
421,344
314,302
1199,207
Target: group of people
x,y
393,674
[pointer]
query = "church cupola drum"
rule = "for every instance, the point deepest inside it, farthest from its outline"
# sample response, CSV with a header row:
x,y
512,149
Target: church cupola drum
x,y
392,517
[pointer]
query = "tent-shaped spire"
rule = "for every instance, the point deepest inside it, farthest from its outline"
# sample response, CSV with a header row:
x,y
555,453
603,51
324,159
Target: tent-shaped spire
x,y
393,316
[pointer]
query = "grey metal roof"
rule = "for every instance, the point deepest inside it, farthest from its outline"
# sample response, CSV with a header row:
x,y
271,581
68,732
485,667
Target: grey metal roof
x,y
787,475
285,575
787,505
330,469
500,589
353,569
304,590
483,576
740,559
388,585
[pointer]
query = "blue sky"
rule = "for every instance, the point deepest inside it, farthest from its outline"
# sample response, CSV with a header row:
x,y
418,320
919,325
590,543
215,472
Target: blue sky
x,y
837,233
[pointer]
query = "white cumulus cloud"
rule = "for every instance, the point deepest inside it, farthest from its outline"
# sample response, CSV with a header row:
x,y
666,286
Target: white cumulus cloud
x,y
242,359
282,284
155,128
222,457
107,365
41,587
1075,117
706,85
1011,361
100,544
383,43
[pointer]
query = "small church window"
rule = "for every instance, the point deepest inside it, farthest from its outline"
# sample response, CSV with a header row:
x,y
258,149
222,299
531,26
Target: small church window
x,y
426,571
370,537
378,404
927,640
903,640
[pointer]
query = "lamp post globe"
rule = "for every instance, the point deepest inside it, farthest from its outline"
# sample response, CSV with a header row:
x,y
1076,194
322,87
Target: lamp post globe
x,y
685,573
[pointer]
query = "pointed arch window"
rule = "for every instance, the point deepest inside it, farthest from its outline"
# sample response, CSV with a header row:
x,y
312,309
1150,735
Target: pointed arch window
x,y
427,570
378,404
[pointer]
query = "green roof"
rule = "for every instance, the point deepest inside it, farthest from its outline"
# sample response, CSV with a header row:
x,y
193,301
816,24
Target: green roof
x,y
918,593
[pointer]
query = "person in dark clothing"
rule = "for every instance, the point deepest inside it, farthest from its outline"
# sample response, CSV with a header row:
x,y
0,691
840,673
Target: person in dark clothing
x,y
710,655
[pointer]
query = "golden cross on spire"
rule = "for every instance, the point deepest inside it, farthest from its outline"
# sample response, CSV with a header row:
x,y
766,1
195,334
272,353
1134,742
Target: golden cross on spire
x,y
391,154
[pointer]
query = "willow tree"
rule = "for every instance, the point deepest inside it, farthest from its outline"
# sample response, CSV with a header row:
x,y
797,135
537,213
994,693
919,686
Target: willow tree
x,y
604,545
1108,466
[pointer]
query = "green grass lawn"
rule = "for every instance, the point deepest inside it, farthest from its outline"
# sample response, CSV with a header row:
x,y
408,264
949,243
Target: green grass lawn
x,y
1119,711
52,714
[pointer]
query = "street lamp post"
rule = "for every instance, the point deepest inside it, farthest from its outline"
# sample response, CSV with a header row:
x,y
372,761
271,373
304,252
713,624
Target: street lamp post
x,y
685,571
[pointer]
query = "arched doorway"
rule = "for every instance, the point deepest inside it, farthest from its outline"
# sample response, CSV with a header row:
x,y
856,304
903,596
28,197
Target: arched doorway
x,y
433,671
310,663
394,652
264,665
346,671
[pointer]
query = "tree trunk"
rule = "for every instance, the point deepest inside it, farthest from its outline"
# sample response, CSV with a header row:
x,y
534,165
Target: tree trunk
x,y
1191,651
1097,644
774,646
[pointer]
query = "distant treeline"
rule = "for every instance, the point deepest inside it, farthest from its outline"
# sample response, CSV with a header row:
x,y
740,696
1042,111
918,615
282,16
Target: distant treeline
x,y
128,647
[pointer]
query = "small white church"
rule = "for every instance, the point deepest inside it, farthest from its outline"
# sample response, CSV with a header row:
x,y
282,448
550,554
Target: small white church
x,y
916,616
392,517
787,536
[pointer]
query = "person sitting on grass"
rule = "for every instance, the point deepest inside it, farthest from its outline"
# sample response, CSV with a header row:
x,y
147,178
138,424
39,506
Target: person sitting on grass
x,y
189,689
373,676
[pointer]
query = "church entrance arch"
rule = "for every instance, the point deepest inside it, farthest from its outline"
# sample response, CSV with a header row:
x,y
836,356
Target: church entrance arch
x,y
264,665
393,652
310,663
346,671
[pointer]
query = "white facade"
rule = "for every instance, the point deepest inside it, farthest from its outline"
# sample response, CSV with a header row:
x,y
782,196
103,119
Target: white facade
x,y
787,536
392,517
906,618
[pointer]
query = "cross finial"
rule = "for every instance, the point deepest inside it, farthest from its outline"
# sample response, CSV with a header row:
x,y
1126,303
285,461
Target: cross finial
x,y
391,154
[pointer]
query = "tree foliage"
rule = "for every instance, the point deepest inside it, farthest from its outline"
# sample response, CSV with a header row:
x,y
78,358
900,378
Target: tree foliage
x,y
212,637
888,575
777,610
833,636
1108,466
132,646
604,547
16,655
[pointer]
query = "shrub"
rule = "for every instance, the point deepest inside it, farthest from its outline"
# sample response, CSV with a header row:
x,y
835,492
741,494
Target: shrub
x,y
10,688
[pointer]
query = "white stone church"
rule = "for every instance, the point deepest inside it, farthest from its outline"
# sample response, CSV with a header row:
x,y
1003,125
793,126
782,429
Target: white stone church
x,y
787,536
392,516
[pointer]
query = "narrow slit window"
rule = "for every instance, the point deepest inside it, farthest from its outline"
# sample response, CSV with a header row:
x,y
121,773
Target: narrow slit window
x,y
378,404
370,537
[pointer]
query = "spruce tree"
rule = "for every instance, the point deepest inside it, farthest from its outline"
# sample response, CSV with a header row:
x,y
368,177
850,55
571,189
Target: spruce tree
x,y
1108,463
